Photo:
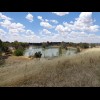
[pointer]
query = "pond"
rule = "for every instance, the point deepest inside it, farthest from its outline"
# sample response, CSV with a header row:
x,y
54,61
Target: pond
x,y
49,52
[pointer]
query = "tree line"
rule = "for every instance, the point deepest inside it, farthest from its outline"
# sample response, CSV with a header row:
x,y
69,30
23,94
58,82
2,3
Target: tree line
x,y
19,47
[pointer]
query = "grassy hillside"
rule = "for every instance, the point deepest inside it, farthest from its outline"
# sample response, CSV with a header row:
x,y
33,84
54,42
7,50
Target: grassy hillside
x,y
82,69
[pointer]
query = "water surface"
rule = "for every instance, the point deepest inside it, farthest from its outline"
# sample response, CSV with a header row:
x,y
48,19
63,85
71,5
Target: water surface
x,y
49,52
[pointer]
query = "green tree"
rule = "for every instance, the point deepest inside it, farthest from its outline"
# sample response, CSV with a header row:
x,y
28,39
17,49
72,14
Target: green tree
x,y
19,45
15,44
19,52
5,47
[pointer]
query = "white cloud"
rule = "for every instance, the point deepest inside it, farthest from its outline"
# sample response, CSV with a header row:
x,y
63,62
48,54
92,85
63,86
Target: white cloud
x,y
40,18
29,32
2,32
94,28
13,27
62,30
45,31
4,17
85,22
60,13
45,34
46,25
13,31
76,37
16,26
29,17
46,20
54,21
31,38
82,29
17,31
77,34
6,23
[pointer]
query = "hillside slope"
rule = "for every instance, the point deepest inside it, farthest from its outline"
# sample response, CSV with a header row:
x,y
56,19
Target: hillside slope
x,y
82,69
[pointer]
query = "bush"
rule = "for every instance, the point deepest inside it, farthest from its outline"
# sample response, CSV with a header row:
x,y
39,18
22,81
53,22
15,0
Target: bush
x,y
19,52
38,54
78,50
44,45
93,45
84,45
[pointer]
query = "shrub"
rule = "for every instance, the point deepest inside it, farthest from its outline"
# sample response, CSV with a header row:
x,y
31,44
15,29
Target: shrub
x,y
84,45
38,54
78,50
4,47
44,45
18,52
19,45
93,45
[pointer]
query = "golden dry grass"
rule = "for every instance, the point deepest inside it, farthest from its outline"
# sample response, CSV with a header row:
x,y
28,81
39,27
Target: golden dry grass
x,y
81,70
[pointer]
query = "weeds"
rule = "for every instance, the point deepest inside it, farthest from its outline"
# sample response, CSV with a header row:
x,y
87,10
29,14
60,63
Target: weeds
x,y
80,70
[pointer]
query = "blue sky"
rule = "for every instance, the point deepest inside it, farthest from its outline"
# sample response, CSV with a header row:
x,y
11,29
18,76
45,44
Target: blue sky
x,y
50,26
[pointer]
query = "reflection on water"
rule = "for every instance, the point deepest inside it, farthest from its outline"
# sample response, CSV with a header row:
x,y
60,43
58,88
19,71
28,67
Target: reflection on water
x,y
49,52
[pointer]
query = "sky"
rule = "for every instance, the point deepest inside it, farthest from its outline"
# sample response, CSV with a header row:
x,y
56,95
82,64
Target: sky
x,y
36,27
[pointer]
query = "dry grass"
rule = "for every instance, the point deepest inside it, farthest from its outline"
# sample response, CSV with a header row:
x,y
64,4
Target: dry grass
x,y
81,70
